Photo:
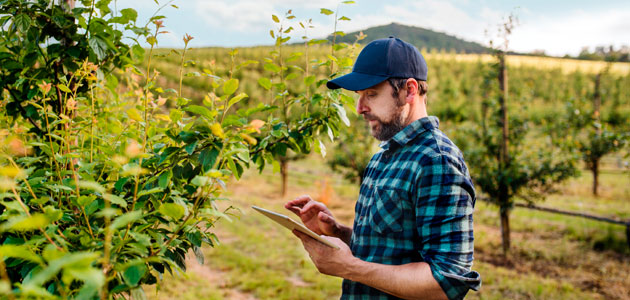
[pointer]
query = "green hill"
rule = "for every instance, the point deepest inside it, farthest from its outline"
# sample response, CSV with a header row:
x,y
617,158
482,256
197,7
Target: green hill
x,y
420,37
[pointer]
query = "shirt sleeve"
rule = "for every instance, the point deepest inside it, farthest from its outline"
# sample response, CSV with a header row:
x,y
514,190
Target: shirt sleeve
x,y
444,220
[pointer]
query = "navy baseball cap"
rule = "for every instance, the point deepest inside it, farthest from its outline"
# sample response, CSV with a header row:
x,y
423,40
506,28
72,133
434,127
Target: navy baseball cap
x,y
382,59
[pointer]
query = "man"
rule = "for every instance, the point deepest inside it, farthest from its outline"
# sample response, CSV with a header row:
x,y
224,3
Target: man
x,y
412,236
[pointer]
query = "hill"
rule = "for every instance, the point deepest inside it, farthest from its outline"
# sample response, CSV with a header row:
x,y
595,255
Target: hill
x,y
419,37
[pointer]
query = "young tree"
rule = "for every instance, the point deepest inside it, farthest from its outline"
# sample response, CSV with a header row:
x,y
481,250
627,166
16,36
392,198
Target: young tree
x,y
103,188
502,165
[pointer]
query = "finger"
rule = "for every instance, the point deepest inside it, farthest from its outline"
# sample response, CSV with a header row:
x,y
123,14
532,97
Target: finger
x,y
299,201
312,206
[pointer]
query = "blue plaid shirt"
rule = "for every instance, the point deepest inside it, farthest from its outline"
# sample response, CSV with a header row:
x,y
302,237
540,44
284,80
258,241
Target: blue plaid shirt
x,y
416,205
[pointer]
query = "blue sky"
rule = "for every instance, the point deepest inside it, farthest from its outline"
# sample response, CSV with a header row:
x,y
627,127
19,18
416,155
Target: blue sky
x,y
557,27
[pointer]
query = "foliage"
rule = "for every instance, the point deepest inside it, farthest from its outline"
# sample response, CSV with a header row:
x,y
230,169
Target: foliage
x,y
103,187
307,103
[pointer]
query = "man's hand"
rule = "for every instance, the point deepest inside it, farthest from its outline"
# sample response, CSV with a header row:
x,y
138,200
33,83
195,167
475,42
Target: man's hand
x,y
316,216
329,261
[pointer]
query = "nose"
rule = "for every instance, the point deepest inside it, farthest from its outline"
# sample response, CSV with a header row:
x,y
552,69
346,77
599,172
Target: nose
x,y
361,107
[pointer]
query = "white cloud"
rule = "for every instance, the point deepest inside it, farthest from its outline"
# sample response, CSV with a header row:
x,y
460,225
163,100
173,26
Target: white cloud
x,y
571,32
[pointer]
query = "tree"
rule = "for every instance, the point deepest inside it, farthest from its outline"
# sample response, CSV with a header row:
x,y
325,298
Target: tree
x,y
103,187
501,163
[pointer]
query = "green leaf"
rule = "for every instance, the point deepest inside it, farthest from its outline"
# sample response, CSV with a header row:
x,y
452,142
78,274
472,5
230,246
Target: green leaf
x,y
272,67
325,11
236,99
115,200
134,273
99,46
165,179
148,192
26,223
22,22
19,251
126,219
208,157
265,83
172,210
85,200
344,18
200,110
342,114
152,40
64,88
230,86
273,36
348,2
275,18
91,185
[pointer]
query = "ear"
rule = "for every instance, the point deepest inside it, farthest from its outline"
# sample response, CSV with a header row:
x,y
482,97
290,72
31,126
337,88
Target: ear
x,y
411,87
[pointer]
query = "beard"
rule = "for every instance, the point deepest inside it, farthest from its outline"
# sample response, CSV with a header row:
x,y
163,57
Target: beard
x,y
384,131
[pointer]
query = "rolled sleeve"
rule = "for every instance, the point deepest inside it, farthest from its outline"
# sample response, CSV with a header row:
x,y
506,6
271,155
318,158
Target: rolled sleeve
x,y
444,219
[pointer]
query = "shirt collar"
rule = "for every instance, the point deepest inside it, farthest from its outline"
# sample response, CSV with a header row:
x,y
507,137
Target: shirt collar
x,y
411,131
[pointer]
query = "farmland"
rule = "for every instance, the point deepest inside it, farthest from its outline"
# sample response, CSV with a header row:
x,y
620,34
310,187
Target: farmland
x,y
553,256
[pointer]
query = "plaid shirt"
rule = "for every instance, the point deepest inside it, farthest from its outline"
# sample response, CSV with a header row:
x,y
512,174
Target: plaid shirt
x,y
416,205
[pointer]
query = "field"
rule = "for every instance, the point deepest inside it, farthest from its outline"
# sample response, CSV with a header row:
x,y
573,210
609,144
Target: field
x,y
553,257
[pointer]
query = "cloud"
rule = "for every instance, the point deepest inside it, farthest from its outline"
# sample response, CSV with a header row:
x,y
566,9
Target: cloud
x,y
572,31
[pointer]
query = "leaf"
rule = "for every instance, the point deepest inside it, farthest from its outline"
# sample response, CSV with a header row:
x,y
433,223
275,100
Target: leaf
x,y
348,2
271,67
230,86
165,179
342,114
199,255
322,149
172,210
115,200
273,36
344,18
85,200
149,192
202,111
236,99
99,46
19,251
26,223
64,88
265,83
22,22
126,219
134,273
91,185
325,11
275,18
134,115
208,157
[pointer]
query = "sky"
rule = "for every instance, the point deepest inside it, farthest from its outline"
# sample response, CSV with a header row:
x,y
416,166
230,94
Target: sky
x,y
556,27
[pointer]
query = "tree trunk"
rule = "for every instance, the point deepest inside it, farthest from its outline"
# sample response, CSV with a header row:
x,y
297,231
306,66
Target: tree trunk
x,y
503,97
284,172
595,170
504,155
505,229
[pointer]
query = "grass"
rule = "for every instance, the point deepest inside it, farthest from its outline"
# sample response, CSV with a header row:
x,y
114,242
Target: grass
x,y
552,256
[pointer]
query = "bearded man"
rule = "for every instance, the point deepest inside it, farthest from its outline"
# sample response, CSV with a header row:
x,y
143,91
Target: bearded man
x,y
412,236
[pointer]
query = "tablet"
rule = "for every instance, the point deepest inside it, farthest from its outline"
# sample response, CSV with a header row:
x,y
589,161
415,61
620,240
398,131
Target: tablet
x,y
292,224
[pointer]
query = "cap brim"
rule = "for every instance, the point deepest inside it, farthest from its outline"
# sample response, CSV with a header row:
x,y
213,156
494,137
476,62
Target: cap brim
x,y
355,81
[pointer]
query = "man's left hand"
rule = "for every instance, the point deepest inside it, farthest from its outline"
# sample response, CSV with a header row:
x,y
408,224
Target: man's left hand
x,y
328,260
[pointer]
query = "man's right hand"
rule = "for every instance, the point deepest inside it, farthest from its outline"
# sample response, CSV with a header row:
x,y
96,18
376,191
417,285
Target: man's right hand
x,y
315,215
